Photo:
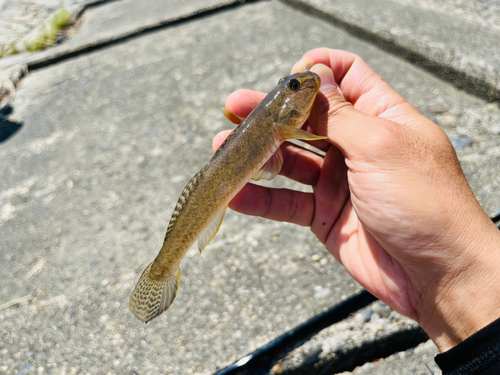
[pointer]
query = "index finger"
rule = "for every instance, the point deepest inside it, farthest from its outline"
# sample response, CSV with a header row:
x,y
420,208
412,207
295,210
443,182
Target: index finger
x,y
337,60
361,86
242,102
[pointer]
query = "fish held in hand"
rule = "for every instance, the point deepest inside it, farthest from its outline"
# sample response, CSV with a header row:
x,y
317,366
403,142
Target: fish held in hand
x,y
250,151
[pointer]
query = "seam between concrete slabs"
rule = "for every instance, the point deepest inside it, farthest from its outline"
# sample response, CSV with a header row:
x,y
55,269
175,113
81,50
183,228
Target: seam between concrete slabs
x,y
127,36
460,79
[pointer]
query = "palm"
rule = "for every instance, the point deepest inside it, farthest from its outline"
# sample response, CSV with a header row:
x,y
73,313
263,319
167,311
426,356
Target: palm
x,y
338,222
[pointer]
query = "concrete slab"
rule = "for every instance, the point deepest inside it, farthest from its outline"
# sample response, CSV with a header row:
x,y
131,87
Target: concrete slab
x,y
485,12
464,52
108,141
119,18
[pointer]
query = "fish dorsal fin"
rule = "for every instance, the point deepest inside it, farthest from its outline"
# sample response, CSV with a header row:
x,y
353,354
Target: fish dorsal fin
x,y
289,132
271,168
211,230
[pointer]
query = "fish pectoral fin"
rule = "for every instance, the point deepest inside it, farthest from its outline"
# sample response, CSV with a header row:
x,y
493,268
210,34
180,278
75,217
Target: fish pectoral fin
x,y
271,168
289,132
235,119
153,295
211,230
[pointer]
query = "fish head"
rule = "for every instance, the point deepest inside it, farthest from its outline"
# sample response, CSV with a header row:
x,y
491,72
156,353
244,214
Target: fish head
x,y
297,93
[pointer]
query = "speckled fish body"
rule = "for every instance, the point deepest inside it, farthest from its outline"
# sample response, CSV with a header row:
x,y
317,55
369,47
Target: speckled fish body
x,y
250,151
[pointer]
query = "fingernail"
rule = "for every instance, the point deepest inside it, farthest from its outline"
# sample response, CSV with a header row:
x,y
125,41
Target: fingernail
x,y
301,64
326,75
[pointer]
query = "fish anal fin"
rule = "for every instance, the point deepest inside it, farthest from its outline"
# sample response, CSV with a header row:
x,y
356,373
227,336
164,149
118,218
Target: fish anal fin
x,y
153,295
234,118
271,168
289,132
211,230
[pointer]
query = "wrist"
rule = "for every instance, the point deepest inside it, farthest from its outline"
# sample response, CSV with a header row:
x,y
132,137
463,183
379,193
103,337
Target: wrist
x,y
468,297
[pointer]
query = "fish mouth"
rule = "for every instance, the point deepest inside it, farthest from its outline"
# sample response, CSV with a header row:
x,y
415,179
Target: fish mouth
x,y
317,80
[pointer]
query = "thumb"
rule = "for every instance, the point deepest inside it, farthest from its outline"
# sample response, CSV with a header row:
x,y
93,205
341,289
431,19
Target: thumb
x,y
355,133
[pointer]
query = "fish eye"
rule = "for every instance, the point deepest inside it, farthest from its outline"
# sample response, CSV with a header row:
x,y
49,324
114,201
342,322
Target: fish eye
x,y
281,80
294,84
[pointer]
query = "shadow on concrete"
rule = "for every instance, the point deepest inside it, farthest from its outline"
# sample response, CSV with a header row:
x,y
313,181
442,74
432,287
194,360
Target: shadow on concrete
x,y
8,128
368,352
261,361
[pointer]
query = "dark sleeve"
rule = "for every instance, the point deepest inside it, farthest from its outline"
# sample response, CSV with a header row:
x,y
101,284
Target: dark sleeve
x,y
477,355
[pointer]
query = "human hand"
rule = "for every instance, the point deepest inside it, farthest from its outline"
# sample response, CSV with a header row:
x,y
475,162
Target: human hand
x,y
389,200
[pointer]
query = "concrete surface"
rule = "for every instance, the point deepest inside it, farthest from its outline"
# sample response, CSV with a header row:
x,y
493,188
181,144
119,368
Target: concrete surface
x,y
483,12
107,141
119,18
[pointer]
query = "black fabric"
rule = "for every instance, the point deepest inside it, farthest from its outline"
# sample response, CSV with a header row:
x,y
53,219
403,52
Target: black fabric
x,y
477,355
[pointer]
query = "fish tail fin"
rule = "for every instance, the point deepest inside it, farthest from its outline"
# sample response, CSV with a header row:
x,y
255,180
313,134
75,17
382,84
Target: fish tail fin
x,y
153,295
